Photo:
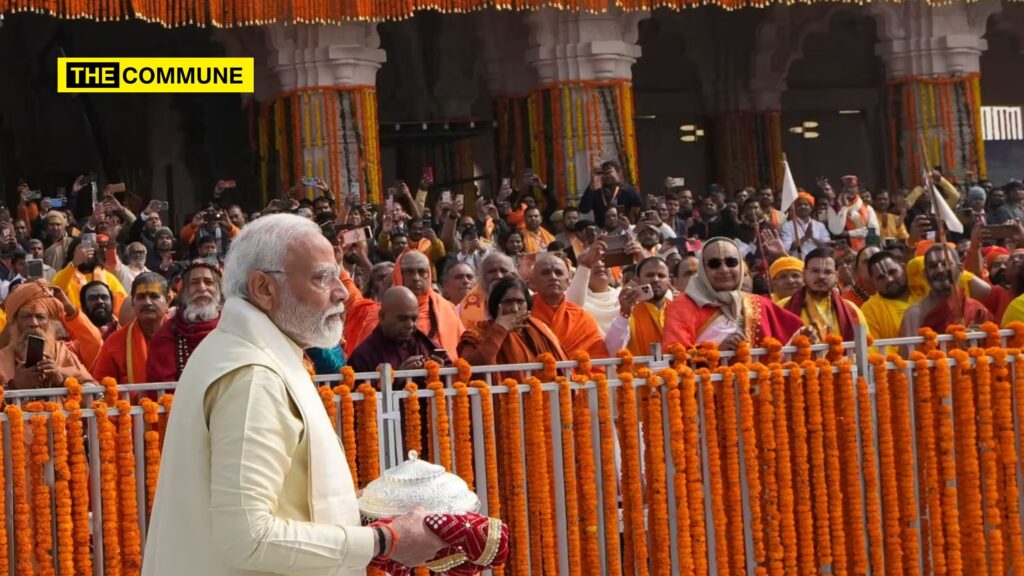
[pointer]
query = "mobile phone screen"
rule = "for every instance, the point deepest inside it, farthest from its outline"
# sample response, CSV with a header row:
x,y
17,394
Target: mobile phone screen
x,y
34,351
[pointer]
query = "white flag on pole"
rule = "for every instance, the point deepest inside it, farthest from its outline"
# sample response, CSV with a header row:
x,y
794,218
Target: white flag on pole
x,y
942,209
789,191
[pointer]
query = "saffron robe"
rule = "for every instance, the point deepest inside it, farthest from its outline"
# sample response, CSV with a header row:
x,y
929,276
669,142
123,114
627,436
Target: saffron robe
x,y
123,356
575,329
685,321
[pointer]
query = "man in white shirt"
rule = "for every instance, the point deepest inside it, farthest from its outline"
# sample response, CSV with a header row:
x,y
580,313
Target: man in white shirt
x,y
803,234
253,478
850,217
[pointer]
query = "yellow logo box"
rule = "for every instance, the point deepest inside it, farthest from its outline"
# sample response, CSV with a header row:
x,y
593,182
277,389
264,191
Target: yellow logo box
x,y
164,75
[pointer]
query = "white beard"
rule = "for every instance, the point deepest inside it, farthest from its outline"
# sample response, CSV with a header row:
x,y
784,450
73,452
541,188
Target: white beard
x,y
307,327
195,313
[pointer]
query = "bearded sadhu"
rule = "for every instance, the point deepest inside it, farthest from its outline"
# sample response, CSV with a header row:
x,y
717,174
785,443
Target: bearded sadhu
x,y
33,311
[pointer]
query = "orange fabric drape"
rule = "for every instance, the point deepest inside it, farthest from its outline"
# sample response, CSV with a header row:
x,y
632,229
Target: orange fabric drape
x,y
574,327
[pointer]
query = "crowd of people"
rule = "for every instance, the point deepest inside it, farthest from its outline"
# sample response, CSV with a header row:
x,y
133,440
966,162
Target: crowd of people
x,y
503,276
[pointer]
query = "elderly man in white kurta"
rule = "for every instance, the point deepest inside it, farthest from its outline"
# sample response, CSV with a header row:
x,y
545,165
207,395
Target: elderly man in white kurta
x,y
253,479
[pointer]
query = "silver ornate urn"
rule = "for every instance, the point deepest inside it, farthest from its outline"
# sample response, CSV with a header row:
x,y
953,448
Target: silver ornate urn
x,y
416,483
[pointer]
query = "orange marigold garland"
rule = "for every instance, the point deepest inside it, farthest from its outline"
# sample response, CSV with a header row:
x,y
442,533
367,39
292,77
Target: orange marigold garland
x,y
832,467
783,471
1017,340
570,473
903,436
540,481
42,519
79,479
19,487
768,455
348,430
803,508
989,459
327,397
730,450
872,505
815,438
847,420
657,503
716,475
750,451
4,562
609,475
694,472
677,447
131,542
774,348
945,446
887,464
632,491
108,490
1008,452
835,347
517,514
968,467
62,491
586,469
490,452
369,452
463,435
440,431
413,429
151,416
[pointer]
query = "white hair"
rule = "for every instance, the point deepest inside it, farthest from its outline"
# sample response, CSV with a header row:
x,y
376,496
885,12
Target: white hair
x,y
261,246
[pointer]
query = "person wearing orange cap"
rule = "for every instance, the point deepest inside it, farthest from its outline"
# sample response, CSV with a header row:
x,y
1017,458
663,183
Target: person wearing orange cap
x,y
849,216
946,303
32,310
802,234
786,275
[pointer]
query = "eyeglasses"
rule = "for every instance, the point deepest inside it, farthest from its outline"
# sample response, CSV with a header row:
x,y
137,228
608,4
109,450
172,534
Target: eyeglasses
x,y
321,279
716,263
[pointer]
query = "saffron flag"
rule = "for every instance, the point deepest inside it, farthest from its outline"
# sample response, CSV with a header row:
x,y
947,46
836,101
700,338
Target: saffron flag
x,y
789,191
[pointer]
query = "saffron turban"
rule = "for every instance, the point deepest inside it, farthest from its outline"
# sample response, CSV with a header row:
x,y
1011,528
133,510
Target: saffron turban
x,y
993,252
785,264
805,196
28,292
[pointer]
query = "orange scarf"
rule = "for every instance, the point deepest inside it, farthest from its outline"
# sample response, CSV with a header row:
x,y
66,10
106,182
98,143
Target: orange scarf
x,y
136,354
575,328
645,327
536,241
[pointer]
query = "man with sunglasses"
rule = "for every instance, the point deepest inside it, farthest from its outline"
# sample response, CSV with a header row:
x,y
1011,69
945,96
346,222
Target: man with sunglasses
x,y
715,309
819,304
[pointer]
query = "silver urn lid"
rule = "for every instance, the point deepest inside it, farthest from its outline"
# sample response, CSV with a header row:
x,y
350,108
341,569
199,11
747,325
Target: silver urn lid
x,y
416,483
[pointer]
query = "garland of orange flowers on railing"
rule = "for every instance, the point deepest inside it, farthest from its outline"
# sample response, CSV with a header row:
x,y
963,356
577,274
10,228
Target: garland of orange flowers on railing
x,y
872,504
632,491
151,416
991,517
517,514
968,467
411,410
783,470
887,463
730,450
440,432
537,458
752,466
677,448
609,475
945,445
62,490
167,401
348,429
42,519
1016,341
131,541
661,559
715,474
490,449
927,461
803,507
832,467
570,474
19,487
768,460
463,434
815,437
108,489
587,506
369,452
327,397
903,436
4,562
79,479
847,419
1008,458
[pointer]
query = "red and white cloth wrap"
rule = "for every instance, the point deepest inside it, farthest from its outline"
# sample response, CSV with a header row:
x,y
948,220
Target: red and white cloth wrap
x,y
475,543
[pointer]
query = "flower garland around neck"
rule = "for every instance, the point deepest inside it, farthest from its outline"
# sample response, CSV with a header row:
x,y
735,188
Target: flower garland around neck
x,y
517,514
609,475
968,466
348,430
992,515
440,431
946,445
369,467
887,461
463,434
42,519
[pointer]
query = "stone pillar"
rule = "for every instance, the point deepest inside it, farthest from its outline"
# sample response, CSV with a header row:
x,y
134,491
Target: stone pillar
x,y
580,110
932,58
323,121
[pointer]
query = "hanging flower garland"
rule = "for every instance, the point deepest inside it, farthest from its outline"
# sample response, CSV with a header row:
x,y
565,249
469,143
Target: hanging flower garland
x,y
19,488
463,434
835,347
1017,340
750,451
80,508
774,348
166,401
4,562
887,463
517,515
151,416
657,502
490,450
586,470
768,457
694,471
714,456
440,432
570,474
61,491
730,450
348,430
803,349
131,542
989,458
609,475
327,397
677,447
632,489
413,429
369,452
537,459
832,466
847,420
946,442
903,436
816,438
108,489
968,467
42,519
872,505
1003,395
924,403
803,507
